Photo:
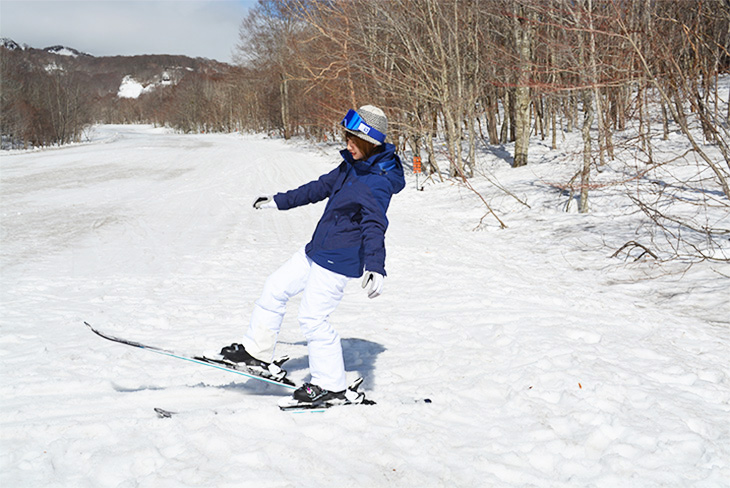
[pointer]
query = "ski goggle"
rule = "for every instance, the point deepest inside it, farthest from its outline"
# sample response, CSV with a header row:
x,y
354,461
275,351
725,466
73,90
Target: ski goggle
x,y
353,121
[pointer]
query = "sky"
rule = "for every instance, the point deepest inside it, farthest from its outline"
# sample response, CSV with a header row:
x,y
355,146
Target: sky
x,y
207,29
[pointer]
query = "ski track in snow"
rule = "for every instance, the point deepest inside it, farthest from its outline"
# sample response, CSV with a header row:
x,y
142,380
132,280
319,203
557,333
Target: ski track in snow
x,y
547,362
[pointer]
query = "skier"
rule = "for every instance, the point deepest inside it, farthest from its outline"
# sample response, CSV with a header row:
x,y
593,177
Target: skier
x,y
348,242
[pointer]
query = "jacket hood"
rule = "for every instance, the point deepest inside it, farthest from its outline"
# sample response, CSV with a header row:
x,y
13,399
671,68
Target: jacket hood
x,y
384,162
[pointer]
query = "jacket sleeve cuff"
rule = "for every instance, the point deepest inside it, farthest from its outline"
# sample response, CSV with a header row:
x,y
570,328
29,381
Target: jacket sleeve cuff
x,y
278,199
375,269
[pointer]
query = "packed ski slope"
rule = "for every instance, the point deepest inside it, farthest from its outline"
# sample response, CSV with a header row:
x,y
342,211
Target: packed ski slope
x,y
546,361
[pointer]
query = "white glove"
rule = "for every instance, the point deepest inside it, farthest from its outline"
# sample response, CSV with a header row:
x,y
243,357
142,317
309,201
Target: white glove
x,y
373,283
264,201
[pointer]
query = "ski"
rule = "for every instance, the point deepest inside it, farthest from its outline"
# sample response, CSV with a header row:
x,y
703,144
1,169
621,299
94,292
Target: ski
x,y
275,377
352,397
164,414
320,407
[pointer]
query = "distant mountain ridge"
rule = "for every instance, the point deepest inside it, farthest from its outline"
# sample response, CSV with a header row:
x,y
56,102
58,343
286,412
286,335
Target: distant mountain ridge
x,y
65,51
103,75
10,44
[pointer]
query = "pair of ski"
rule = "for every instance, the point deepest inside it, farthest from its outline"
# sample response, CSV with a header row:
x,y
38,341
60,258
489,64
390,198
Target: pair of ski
x,y
274,375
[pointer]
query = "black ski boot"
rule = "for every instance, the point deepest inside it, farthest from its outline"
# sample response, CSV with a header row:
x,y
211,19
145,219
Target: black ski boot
x,y
237,354
310,393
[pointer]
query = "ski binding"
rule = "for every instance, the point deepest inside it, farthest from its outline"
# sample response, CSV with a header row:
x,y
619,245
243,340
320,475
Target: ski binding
x,y
352,397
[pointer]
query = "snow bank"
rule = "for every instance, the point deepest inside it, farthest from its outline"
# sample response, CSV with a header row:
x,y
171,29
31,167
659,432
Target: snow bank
x,y
65,52
547,362
131,88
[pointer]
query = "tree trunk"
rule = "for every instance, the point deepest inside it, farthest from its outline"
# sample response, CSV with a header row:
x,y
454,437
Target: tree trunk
x,y
471,164
522,125
585,175
504,131
284,93
522,36
491,112
553,124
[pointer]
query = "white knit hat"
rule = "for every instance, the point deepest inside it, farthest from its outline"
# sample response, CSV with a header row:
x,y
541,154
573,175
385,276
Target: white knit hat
x,y
375,118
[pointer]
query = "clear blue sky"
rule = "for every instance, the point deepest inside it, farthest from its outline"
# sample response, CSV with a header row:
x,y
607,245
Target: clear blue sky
x,y
194,28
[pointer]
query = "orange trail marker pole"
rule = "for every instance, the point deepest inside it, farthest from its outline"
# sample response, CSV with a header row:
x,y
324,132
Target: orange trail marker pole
x,y
417,168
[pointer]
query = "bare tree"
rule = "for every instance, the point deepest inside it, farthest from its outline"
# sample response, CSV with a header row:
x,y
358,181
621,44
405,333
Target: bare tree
x,y
522,31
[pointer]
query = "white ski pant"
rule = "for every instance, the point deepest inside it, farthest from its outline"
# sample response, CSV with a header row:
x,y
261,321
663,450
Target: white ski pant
x,y
322,292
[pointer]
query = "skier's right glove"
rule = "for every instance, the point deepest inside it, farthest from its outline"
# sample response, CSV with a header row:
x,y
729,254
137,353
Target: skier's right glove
x,y
372,282
265,201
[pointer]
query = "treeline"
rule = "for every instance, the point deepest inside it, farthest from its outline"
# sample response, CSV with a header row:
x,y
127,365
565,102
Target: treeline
x,y
464,71
48,99
40,107
470,71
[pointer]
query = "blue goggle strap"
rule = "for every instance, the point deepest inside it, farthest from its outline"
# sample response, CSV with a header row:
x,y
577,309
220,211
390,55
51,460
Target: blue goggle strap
x,y
353,121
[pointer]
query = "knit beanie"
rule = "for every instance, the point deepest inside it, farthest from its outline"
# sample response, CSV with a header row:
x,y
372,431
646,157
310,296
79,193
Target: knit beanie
x,y
375,118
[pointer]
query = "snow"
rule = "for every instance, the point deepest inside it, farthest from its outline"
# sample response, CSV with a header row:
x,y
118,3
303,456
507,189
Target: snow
x,y
547,361
65,52
131,88
51,67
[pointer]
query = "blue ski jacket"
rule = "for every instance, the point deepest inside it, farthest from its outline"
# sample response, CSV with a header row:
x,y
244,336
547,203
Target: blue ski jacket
x,y
350,235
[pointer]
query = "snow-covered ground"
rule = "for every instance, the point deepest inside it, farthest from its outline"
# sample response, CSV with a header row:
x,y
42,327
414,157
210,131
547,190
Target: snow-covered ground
x,y
548,363
131,88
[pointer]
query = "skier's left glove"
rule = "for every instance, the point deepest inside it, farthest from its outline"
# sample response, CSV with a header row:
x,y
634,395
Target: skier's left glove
x,y
372,282
264,201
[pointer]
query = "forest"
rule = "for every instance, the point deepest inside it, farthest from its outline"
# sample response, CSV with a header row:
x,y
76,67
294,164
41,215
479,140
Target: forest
x,y
455,77
477,73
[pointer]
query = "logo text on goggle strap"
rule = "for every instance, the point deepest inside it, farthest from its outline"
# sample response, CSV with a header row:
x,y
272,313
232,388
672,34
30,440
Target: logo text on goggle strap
x,y
364,128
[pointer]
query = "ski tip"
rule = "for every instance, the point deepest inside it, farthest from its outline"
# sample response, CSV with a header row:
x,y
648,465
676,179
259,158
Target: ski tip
x,y
91,328
163,414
